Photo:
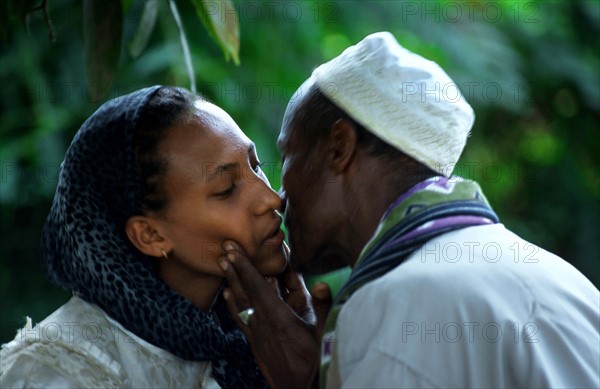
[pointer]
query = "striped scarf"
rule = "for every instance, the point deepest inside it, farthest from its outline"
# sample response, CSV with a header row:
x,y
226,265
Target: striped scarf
x,y
429,209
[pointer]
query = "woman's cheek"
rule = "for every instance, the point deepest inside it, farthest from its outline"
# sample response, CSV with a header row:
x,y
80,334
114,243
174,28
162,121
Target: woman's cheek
x,y
246,242
252,251
272,263
242,238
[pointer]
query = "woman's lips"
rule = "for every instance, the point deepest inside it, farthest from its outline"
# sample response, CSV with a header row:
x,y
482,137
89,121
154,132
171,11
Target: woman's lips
x,y
275,239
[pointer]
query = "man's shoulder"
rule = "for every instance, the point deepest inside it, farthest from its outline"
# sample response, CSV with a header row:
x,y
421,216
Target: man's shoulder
x,y
484,270
454,292
471,254
453,258
475,268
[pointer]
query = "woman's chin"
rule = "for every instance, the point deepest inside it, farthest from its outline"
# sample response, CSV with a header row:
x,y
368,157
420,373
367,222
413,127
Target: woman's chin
x,y
273,265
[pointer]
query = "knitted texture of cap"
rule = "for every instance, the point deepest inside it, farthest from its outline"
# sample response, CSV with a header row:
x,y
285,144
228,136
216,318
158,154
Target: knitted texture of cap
x,y
404,99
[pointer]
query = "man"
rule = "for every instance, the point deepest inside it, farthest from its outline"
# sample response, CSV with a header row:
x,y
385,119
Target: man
x,y
441,293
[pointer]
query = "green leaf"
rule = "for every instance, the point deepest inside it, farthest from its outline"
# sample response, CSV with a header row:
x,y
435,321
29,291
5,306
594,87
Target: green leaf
x,y
102,28
145,28
221,20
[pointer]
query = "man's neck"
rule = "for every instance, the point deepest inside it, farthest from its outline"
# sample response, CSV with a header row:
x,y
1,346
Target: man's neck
x,y
370,200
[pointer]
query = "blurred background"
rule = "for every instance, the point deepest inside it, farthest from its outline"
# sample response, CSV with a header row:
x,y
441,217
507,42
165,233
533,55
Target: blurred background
x,y
531,70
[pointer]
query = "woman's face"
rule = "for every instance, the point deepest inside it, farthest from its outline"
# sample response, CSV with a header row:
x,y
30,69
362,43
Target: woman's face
x,y
216,191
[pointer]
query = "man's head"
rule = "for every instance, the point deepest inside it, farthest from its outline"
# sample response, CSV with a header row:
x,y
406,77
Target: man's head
x,y
362,130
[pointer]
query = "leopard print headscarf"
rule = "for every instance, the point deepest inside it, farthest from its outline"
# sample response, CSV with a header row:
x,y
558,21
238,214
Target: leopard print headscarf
x,y
84,248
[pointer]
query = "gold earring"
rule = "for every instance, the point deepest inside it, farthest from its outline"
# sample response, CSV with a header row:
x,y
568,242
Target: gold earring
x,y
165,255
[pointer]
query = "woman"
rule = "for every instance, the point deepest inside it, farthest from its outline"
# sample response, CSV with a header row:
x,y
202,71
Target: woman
x,y
152,185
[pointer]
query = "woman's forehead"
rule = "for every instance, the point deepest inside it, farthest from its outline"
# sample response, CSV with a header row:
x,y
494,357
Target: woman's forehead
x,y
209,136
218,122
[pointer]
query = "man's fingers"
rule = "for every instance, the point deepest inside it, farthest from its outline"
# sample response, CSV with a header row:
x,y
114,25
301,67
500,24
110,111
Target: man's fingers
x,y
292,280
234,308
254,284
235,286
322,300
321,291
272,281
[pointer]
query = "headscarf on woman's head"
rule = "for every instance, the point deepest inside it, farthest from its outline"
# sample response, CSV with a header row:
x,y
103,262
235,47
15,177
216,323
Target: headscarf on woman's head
x,y
85,249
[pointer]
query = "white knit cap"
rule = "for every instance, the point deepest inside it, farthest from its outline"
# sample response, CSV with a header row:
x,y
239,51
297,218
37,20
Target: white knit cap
x,y
404,99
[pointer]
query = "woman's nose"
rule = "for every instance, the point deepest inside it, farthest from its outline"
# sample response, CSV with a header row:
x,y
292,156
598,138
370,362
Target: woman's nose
x,y
271,199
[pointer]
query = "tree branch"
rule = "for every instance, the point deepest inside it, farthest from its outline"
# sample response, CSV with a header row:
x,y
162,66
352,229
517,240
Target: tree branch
x,y
184,45
43,6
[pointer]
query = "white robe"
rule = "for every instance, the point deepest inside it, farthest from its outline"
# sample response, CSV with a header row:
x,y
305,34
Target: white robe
x,y
478,307
79,346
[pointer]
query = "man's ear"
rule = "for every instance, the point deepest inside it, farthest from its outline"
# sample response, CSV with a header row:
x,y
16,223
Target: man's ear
x,y
342,145
145,234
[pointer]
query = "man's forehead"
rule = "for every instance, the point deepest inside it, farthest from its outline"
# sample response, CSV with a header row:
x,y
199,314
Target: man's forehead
x,y
287,124
292,110
301,92
283,136
280,141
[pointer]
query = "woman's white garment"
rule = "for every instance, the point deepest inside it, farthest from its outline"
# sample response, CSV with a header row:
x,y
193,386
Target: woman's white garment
x,y
80,346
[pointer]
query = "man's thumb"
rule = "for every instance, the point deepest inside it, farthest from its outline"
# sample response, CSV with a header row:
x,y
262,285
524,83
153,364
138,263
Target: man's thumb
x,y
322,300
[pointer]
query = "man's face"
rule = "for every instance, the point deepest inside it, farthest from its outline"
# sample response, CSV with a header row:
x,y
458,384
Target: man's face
x,y
312,205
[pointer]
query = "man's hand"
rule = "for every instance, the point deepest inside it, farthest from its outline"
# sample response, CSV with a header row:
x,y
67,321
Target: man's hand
x,y
282,330
322,301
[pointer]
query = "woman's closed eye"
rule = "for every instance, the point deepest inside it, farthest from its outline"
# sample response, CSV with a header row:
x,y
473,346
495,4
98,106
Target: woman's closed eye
x,y
227,192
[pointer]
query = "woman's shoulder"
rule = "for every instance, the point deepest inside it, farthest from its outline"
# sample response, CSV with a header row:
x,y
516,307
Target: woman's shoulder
x,y
79,345
42,365
67,348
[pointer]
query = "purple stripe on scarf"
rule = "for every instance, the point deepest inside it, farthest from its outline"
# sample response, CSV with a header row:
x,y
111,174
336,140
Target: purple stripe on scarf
x,y
327,347
439,224
442,182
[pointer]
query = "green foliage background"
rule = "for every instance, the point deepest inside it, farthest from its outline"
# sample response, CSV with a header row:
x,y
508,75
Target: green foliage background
x,y
531,69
